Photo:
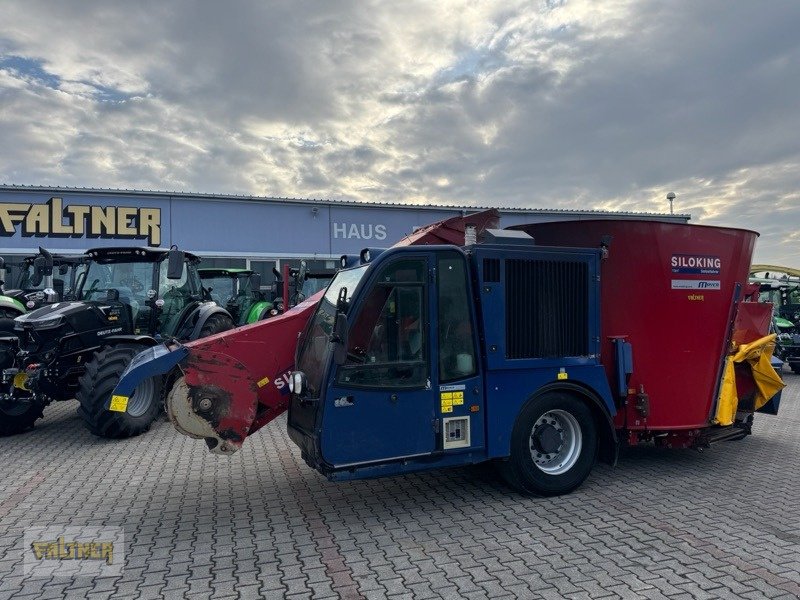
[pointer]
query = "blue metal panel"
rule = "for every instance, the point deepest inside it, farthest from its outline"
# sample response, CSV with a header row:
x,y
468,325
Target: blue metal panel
x,y
507,391
493,303
248,227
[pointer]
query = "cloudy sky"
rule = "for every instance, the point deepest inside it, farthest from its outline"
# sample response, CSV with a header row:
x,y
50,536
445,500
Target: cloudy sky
x,y
573,104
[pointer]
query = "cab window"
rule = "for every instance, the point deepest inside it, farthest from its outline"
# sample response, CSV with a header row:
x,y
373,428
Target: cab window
x,y
387,342
456,342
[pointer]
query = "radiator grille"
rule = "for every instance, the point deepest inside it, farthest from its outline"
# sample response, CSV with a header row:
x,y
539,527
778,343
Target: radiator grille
x,y
546,308
491,270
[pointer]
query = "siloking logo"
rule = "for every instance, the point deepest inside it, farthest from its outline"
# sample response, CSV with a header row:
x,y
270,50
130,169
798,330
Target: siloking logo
x,y
694,264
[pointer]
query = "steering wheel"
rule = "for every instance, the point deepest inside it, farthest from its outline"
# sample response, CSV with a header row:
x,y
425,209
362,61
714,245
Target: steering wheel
x,y
133,283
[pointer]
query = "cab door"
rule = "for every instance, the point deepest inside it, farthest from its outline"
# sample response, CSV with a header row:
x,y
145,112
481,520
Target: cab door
x,y
380,404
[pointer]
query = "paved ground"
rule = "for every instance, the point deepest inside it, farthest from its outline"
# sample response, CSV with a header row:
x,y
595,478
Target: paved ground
x,y
663,523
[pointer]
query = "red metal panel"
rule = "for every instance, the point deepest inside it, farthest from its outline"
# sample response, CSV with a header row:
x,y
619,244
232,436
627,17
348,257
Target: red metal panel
x,y
652,293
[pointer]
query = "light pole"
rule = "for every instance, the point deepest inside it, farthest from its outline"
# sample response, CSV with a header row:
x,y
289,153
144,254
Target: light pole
x,y
670,197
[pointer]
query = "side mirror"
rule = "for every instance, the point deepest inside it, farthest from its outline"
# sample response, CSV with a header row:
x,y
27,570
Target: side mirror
x,y
255,282
47,261
301,275
175,263
39,269
63,269
341,300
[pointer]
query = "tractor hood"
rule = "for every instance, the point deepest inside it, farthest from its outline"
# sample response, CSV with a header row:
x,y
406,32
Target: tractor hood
x,y
51,312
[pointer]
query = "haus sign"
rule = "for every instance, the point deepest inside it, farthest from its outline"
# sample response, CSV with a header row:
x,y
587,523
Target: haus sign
x,y
52,219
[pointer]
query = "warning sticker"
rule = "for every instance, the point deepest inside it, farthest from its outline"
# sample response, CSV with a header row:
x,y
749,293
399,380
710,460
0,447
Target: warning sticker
x,y
451,399
118,403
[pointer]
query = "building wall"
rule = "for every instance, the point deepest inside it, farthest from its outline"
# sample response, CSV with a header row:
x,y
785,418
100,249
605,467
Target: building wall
x,y
227,230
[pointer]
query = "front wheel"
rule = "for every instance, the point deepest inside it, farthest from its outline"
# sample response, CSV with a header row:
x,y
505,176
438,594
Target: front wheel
x,y
18,416
97,384
553,446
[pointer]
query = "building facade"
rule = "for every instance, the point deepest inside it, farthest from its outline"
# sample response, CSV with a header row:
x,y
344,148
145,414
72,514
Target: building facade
x,y
227,231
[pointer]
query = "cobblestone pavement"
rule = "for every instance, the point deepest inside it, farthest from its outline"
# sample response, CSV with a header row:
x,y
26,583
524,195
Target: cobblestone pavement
x,y
663,523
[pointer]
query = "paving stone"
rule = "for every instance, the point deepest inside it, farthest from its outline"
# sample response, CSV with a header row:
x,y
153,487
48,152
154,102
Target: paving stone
x,y
661,524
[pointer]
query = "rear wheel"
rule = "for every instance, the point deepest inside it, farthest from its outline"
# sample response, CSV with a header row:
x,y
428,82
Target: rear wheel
x,y
216,324
553,446
97,384
795,367
17,417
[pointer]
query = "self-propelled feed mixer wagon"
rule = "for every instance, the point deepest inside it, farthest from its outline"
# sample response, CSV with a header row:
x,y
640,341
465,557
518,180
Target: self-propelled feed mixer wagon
x,y
542,348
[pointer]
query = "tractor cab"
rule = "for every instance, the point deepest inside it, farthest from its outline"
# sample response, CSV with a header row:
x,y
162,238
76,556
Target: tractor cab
x,y
390,350
784,295
156,287
45,278
239,292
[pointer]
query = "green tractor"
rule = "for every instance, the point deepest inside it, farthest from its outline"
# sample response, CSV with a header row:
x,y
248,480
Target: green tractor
x,y
128,299
784,294
239,292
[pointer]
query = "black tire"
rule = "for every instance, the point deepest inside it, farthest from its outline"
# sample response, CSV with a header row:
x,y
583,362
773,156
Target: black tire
x,y
7,321
18,418
795,367
97,384
216,324
560,430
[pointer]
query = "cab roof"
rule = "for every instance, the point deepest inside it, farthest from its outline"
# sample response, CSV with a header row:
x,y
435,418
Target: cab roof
x,y
133,254
219,272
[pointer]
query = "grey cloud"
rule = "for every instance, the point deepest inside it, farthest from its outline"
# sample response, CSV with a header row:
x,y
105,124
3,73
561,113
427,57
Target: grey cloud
x,y
579,105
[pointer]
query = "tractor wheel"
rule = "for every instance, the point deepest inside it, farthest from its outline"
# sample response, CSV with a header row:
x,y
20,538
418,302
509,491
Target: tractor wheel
x,y
19,417
97,384
795,367
553,446
7,321
216,324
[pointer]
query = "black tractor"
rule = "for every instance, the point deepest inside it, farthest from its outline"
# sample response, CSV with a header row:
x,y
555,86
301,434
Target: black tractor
x,y
40,279
128,299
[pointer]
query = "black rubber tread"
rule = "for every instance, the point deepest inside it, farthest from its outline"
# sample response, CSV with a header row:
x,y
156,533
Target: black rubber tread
x,y
95,387
795,367
519,470
7,321
14,424
216,324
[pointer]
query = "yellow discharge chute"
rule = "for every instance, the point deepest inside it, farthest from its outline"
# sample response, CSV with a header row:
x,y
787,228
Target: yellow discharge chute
x,y
768,382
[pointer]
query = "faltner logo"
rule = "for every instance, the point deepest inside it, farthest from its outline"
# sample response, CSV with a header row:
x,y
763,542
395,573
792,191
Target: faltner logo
x,y
53,220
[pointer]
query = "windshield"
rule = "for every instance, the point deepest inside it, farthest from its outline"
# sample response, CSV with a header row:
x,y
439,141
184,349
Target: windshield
x,y
315,347
131,279
312,285
223,288
62,281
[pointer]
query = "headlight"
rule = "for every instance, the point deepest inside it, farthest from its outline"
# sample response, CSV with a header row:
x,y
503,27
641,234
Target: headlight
x,y
46,323
297,382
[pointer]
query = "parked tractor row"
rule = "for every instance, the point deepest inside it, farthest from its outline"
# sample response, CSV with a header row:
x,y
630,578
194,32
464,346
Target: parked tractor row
x,y
70,325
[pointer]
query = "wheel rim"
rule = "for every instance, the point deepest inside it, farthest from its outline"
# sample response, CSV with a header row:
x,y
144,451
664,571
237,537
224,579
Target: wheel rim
x,y
141,398
555,442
